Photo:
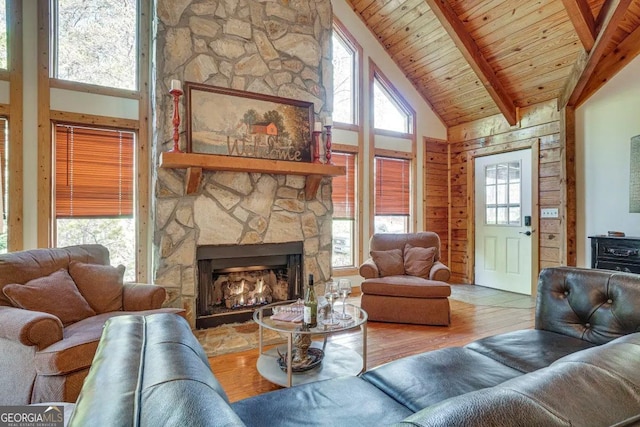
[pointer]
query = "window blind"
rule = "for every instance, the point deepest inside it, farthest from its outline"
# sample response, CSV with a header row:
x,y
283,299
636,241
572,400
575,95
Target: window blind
x,y
94,172
392,186
344,186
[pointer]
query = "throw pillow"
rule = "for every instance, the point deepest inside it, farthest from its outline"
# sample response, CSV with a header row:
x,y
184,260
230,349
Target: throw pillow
x,y
418,261
100,285
54,294
389,262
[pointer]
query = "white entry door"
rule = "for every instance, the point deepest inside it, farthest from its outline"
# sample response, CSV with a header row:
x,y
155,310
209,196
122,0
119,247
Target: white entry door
x,y
503,232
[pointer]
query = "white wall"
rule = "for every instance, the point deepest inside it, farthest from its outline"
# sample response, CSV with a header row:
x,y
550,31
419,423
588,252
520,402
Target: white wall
x,y
604,127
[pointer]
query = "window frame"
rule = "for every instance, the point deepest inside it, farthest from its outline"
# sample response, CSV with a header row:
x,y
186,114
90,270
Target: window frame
x,y
350,41
59,83
357,221
376,75
410,159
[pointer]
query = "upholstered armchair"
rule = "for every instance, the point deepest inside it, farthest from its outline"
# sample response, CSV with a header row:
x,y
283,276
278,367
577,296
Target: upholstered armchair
x,y
53,305
405,281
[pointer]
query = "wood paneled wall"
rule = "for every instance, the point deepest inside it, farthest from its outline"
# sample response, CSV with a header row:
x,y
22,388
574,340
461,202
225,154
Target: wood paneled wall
x,y
539,127
436,192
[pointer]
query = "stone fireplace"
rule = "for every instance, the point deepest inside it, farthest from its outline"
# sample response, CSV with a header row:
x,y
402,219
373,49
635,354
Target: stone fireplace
x,y
276,47
234,280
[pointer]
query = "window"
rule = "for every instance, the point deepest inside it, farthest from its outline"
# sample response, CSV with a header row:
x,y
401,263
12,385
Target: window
x,y
96,42
94,182
3,35
392,195
4,187
345,61
502,194
389,112
344,211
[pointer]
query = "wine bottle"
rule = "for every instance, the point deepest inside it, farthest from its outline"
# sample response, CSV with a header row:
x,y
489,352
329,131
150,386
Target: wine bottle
x,y
310,319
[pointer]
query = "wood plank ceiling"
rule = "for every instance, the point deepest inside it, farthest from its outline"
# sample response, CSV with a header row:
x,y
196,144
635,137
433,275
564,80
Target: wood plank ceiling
x,y
471,59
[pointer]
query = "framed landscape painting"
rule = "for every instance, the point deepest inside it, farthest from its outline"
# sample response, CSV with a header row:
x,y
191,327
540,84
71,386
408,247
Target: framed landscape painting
x,y
236,123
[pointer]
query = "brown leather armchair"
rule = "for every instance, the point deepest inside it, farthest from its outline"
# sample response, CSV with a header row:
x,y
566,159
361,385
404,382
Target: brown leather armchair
x,y
44,358
405,281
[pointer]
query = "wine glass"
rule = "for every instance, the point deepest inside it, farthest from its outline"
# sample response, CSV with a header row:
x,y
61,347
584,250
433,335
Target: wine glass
x,y
344,290
331,293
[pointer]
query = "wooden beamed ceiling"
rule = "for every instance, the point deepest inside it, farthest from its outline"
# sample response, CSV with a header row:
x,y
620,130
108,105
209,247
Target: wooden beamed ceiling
x,y
471,59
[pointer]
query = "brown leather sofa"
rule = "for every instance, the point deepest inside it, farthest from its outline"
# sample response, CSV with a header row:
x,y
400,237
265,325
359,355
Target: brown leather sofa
x,y
580,366
45,356
405,281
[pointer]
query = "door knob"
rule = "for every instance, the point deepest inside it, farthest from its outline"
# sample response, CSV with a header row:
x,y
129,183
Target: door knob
x,y
526,233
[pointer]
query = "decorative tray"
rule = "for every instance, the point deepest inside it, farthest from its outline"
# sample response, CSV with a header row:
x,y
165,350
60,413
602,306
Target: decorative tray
x,y
315,354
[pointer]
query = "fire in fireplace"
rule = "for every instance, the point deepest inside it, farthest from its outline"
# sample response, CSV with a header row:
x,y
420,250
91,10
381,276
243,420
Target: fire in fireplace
x,y
234,280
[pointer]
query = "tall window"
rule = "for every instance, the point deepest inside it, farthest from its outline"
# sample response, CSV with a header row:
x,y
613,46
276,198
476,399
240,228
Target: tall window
x,y
4,187
388,109
94,182
392,204
96,42
344,211
345,61
3,35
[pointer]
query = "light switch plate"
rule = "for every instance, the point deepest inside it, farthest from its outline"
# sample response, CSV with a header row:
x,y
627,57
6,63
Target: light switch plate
x,y
549,213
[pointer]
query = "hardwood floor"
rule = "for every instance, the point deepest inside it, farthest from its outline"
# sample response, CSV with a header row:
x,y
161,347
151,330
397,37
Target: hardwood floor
x,y
476,312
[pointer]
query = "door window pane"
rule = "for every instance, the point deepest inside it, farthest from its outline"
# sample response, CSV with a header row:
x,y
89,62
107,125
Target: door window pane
x,y
503,194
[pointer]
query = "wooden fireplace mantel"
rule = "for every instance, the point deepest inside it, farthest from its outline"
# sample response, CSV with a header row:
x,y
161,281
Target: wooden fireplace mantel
x,y
194,163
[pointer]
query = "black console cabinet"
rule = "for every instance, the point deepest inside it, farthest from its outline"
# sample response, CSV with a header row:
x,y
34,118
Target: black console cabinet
x,y
615,253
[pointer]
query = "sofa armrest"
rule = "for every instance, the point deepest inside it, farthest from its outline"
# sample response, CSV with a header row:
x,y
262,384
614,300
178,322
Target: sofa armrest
x,y
369,269
30,327
440,272
139,296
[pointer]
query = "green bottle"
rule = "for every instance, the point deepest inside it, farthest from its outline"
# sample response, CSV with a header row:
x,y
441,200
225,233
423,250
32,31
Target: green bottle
x,y
310,319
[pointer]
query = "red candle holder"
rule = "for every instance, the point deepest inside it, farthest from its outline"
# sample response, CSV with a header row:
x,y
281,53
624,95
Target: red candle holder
x,y
176,93
317,140
327,147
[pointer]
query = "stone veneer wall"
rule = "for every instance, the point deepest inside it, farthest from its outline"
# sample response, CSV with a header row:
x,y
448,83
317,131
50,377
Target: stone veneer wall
x,y
275,47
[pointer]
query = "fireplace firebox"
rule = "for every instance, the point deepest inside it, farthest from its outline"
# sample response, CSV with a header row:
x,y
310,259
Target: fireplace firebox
x,y
235,280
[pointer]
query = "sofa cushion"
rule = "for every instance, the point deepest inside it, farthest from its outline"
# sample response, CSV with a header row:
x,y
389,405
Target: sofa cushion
x,y
406,286
528,350
344,401
594,387
425,379
55,294
418,261
389,262
22,266
76,351
100,285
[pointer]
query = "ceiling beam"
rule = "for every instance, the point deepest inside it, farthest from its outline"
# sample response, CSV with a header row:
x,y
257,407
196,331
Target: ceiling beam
x,y
471,52
583,21
610,64
611,15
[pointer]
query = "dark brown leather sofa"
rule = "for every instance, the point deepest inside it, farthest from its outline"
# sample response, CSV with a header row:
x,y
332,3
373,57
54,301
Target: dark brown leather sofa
x,y
580,366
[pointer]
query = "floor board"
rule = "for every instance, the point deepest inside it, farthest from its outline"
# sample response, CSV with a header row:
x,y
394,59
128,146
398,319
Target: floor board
x,y
476,312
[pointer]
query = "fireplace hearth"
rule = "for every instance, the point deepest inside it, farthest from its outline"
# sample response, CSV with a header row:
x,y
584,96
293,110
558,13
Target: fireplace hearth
x,y
234,280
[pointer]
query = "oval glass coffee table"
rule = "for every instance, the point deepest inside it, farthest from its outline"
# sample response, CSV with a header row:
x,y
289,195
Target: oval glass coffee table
x,y
275,363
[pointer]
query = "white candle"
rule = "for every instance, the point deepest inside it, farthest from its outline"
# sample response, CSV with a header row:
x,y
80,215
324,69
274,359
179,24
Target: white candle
x,y
176,85
328,121
317,127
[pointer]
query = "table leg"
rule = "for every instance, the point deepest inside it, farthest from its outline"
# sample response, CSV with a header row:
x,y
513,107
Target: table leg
x,y
260,333
289,359
363,329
